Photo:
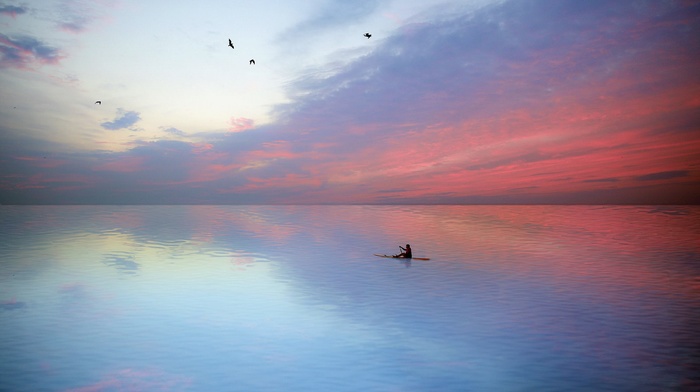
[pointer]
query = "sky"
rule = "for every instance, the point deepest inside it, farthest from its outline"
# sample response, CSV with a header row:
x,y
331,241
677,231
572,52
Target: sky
x,y
461,102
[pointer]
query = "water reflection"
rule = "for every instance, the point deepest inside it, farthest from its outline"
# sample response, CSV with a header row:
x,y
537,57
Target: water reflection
x,y
123,261
280,297
12,304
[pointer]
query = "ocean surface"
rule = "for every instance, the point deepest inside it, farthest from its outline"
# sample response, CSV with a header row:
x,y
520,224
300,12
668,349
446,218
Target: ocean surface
x,y
291,298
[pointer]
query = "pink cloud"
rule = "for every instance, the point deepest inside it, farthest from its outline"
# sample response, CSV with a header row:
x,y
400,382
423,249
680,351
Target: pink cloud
x,y
286,182
277,149
538,108
471,159
240,124
203,173
26,52
199,148
123,165
212,165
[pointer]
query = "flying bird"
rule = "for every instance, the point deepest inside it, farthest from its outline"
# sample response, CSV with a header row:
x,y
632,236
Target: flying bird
x,y
230,43
367,35
98,102
252,62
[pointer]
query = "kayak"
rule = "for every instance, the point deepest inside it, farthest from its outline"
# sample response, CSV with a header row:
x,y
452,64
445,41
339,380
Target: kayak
x,y
392,257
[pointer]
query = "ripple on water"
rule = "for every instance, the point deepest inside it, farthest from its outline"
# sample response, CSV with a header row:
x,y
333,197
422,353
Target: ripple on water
x,y
545,298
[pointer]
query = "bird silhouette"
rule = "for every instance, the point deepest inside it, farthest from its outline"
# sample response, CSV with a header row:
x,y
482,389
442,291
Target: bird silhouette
x,y
98,102
252,62
367,35
230,43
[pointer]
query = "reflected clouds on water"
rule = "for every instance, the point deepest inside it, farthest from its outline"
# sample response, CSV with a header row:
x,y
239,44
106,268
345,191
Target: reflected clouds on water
x,y
558,297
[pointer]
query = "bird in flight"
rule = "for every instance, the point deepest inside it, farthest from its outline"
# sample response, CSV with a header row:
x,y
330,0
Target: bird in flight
x,y
252,62
230,43
367,35
98,102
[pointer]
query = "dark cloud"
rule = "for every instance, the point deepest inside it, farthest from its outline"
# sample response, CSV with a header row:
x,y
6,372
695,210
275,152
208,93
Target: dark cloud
x,y
673,211
160,147
156,166
124,119
610,179
12,10
665,175
25,52
145,174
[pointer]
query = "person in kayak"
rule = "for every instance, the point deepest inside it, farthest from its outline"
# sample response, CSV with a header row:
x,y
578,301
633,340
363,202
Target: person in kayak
x,y
405,252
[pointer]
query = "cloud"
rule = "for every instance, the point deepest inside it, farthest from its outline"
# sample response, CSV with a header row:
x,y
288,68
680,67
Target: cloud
x,y
499,96
332,14
666,175
513,103
239,124
124,119
154,165
76,16
174,131
25,52
603,180
12,10
124,164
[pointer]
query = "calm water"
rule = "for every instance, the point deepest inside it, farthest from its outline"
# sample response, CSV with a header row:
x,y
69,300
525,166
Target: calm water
x,y
263,298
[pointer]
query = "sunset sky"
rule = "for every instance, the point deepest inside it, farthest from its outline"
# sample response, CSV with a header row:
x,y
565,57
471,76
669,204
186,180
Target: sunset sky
x,y
521,101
